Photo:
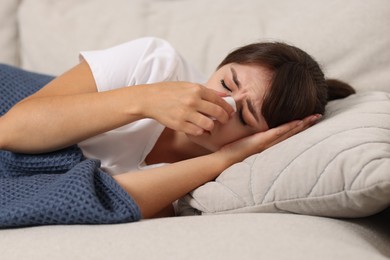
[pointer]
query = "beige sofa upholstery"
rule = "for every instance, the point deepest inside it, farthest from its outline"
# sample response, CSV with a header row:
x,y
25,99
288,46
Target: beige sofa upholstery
x,y
242,236
349,38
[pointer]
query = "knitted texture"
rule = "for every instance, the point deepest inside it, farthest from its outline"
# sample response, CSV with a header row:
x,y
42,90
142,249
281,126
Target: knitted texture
x,y
60,187
16,84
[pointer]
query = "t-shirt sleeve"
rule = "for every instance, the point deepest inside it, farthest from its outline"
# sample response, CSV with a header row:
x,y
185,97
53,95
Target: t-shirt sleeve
x,y
142,61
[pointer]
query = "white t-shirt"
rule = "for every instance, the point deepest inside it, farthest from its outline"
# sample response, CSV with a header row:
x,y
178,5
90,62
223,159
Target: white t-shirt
x,y
142,61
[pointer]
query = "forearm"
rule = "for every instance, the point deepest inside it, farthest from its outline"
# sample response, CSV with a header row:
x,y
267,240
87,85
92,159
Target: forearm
x,y
154,189
49,123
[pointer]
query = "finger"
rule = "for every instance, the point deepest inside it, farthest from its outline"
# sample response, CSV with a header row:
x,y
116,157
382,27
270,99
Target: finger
x,y
221,94
214,111
201,121
212,96
292,128
192,129
283,130
283,135
298,125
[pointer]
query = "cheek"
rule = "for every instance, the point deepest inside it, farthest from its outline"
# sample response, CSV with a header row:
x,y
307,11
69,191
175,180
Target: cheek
x,y
214,85
230,132
222,135
214,82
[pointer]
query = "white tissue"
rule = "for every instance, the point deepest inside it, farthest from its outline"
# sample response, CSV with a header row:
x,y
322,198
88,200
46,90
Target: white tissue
x,y
231,102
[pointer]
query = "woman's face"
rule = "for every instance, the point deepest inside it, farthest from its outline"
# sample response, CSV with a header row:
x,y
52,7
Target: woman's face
x,y
247,84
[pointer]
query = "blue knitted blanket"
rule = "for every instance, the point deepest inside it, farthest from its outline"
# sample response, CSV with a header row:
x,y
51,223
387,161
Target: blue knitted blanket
x,y
60,187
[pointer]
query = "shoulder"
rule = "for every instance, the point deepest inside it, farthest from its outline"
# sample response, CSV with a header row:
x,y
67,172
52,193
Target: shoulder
x,y
140,61
152,47
159,49
159,60
162,62
153,43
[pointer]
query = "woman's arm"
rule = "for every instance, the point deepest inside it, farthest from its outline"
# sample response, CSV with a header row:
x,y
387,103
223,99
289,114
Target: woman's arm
x,y
64,112
69,109
155,189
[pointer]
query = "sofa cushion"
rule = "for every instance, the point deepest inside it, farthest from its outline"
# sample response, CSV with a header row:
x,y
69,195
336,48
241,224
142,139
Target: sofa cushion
x,y
349,38
228,237
340,167
9,46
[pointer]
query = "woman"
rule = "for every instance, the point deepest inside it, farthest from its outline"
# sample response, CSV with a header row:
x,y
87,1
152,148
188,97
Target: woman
x,y
186,129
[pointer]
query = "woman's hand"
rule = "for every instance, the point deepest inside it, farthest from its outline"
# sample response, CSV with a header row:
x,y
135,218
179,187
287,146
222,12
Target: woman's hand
x,y
241,149
152,188
185,106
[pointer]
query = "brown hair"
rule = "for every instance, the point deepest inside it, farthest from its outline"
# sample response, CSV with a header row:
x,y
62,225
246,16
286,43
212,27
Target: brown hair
x,y
298,86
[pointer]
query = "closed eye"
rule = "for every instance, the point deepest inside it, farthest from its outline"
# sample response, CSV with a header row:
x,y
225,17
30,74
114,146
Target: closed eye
x,y
225,86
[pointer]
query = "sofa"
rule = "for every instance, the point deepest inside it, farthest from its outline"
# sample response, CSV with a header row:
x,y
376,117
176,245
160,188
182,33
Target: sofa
x,y
322,194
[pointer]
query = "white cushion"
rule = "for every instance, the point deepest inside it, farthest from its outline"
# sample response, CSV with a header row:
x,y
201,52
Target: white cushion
x,y
339,168
349,38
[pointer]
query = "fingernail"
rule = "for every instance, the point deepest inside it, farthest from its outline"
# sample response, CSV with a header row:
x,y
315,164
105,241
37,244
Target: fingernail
x,y
300,122
221,94
316,117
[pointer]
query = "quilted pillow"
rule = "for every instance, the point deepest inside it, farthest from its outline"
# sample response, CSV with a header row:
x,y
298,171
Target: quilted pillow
x,y
340,167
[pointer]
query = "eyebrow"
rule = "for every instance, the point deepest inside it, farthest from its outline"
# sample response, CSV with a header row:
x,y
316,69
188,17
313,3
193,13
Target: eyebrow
x,y
248,102
235,79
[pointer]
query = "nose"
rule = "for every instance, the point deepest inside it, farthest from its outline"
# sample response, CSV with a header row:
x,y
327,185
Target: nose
x,y
239,97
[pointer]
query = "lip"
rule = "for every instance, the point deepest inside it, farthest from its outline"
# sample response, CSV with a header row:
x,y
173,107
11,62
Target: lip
x,y
207,132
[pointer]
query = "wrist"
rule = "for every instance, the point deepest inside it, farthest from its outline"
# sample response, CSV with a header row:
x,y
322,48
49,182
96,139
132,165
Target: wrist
x,y
219,162
230,155
136,104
